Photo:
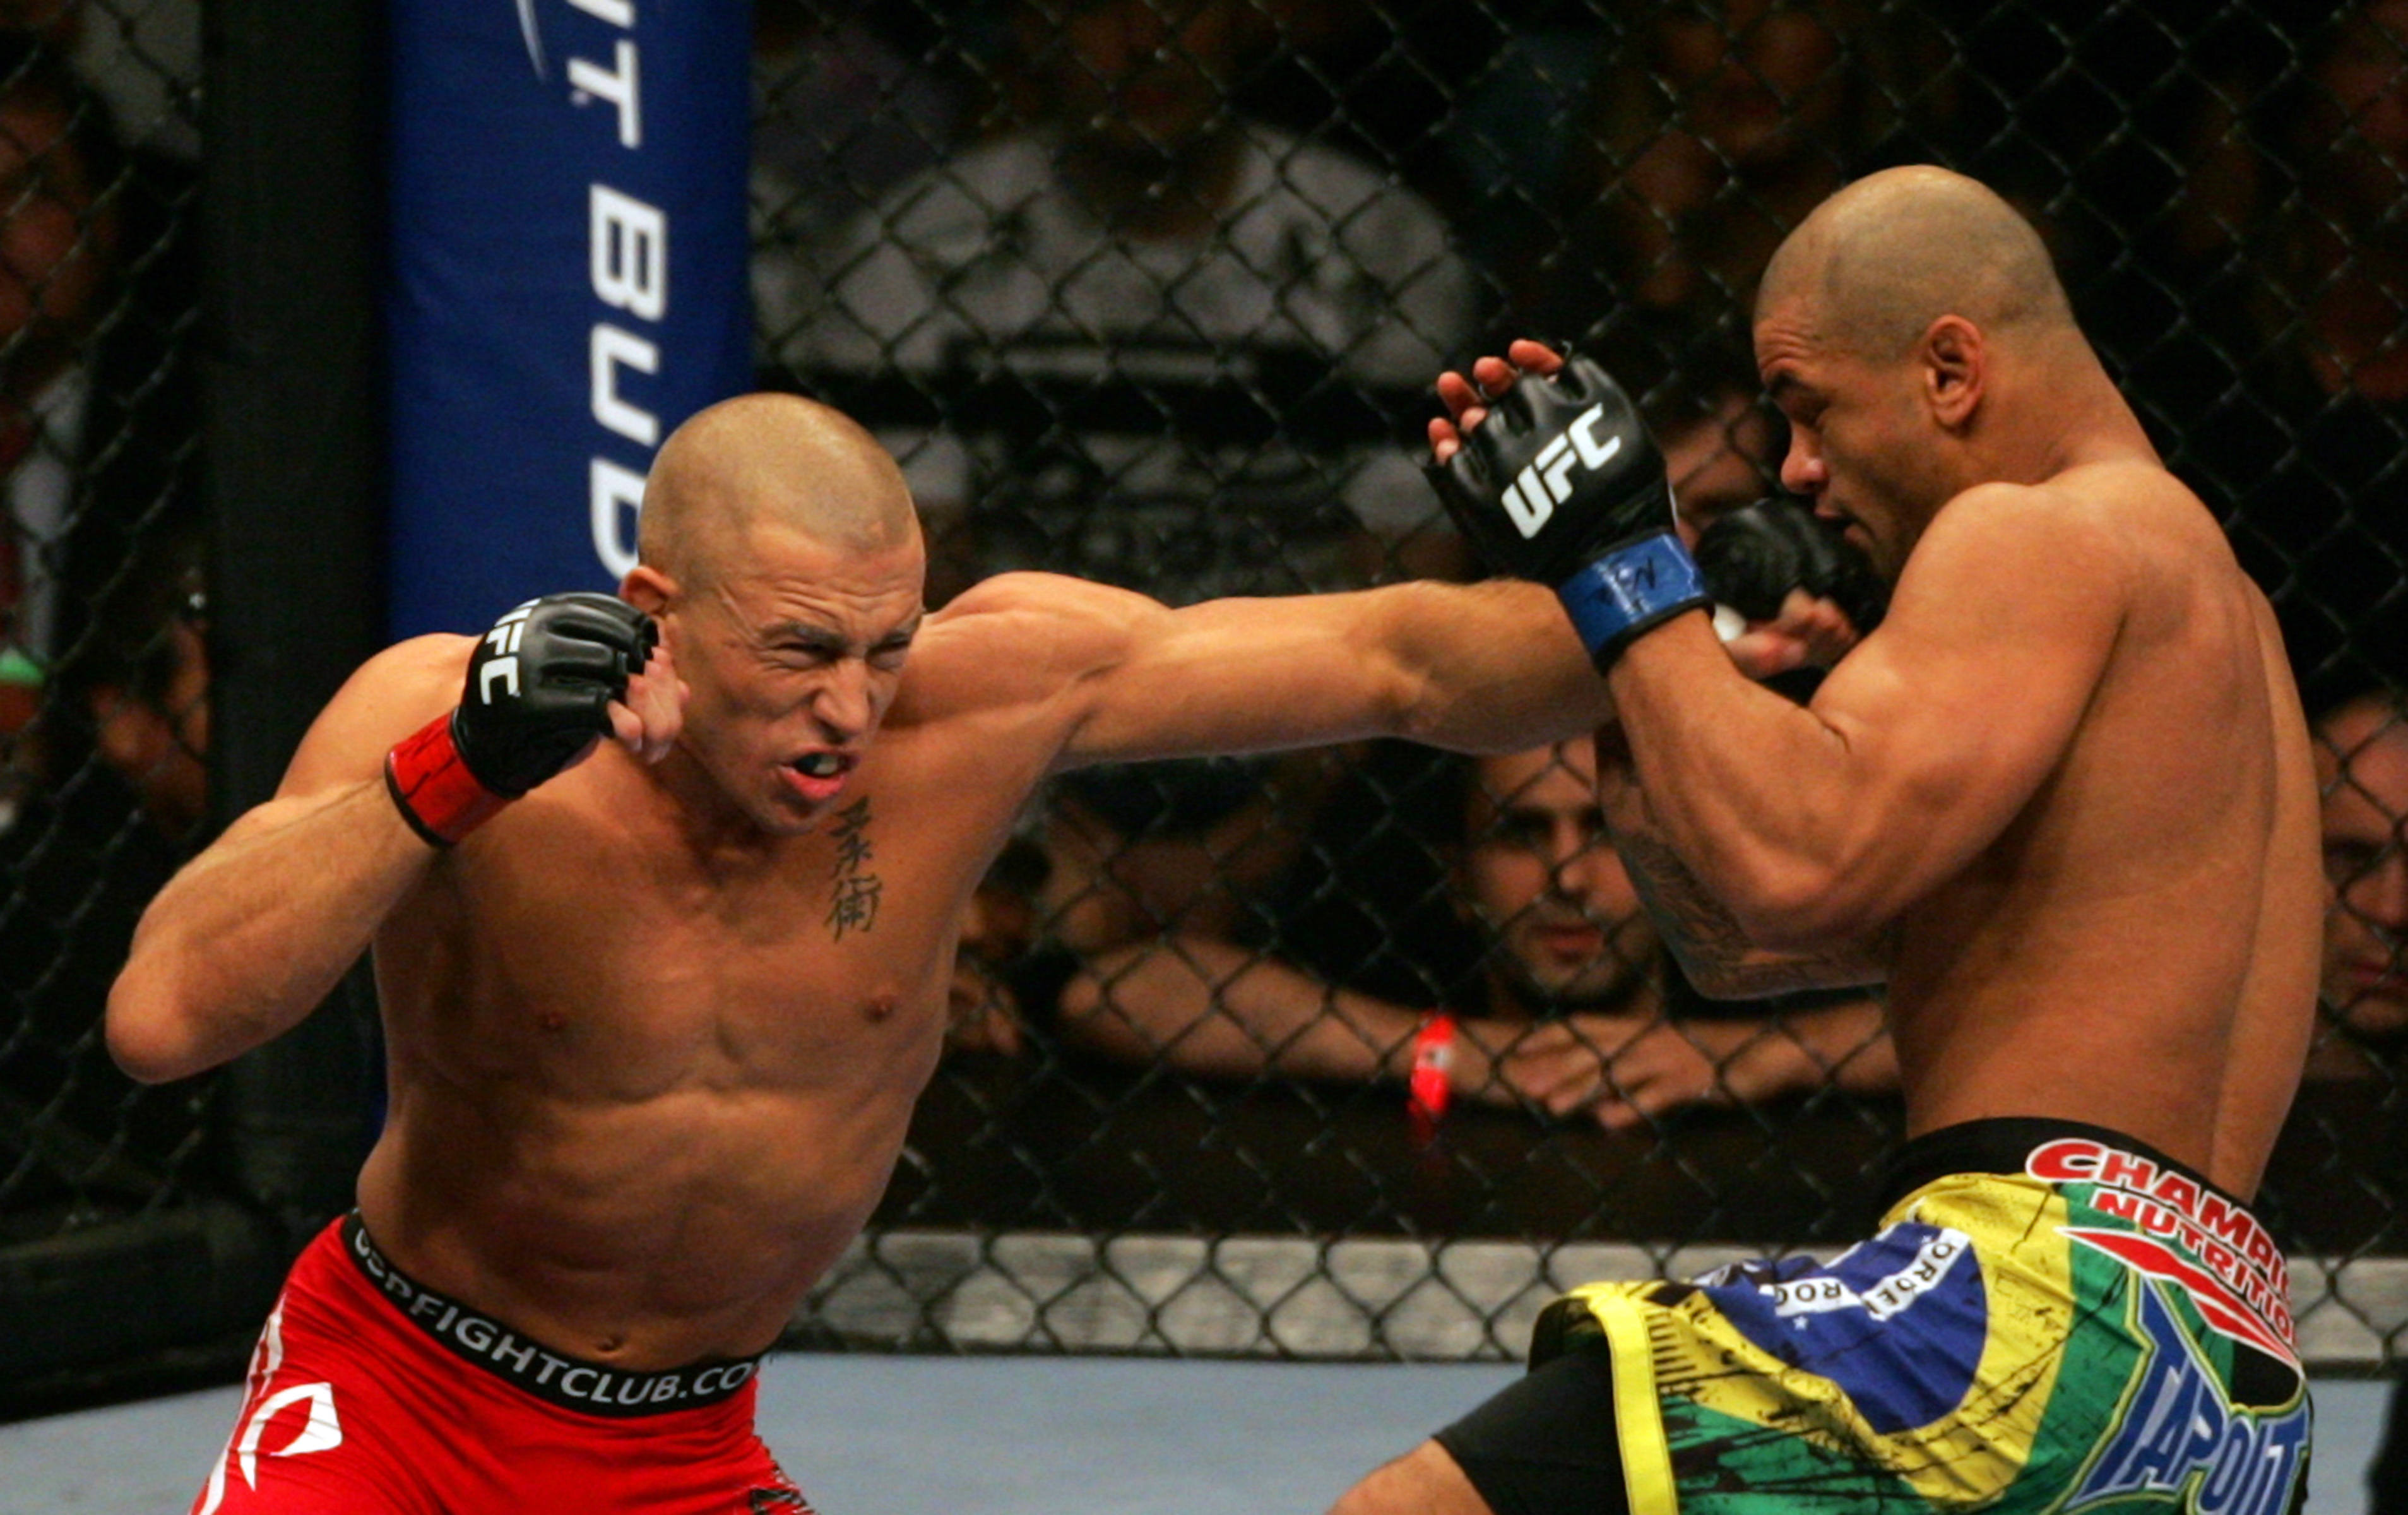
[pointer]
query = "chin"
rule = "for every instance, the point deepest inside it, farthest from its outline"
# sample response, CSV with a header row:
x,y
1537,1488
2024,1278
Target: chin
x,y
1559,993
785,820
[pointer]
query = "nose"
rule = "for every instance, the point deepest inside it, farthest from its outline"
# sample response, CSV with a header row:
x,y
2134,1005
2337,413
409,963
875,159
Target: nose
x,y
2381,898
1568,852
1802,470
843,705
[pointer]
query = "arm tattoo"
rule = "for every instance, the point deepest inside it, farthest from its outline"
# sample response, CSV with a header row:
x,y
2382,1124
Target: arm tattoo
x,y
1697,927
1711,947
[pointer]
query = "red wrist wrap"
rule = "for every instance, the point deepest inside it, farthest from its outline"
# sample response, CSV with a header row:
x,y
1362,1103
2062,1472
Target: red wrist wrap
x,y
437,794
1427,1087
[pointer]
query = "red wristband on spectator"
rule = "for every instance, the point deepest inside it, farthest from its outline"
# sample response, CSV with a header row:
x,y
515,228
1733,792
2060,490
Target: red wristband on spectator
x,y
437,796
1427,1087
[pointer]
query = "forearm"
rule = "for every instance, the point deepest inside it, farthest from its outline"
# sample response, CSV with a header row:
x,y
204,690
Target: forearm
x,y
248,937
1211,1008
1490,667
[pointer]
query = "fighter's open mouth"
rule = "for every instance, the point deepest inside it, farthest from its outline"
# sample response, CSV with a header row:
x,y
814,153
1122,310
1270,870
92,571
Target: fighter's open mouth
x,y
820,765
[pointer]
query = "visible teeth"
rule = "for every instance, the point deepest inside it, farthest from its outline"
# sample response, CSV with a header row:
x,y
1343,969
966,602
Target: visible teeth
x,y
822,765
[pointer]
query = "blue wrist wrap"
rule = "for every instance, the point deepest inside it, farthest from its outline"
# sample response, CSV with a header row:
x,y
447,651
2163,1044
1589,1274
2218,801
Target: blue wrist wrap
x,y
1630,589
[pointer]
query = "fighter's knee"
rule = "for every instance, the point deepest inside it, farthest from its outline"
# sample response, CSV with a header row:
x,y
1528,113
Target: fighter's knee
x,y
1424,1481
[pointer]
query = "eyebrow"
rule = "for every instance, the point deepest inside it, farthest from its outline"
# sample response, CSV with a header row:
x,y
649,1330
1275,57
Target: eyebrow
x,y
811,636
825,639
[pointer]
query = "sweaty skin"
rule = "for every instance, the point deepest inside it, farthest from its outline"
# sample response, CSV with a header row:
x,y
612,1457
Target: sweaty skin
x,y
2063,799
2068,781
655,1031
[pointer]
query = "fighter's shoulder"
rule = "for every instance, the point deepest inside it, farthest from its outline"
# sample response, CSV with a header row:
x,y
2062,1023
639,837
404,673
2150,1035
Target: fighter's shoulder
x,y
2092,522
1014,639
422,670
2120,492
2001,507
386,698
1041,623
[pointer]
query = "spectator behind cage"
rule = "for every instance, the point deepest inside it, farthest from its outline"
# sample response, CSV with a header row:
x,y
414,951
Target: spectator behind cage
x,y
2275,383
1167,348
1145,324
2362,766
1709,140
98,417
75,875
1571,1012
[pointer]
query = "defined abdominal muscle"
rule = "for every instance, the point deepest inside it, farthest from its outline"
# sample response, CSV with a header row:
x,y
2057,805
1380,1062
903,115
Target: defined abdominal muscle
x,y
696,1218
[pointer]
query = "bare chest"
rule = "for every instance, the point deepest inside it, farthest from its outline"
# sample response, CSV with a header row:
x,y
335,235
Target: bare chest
x,y
626,973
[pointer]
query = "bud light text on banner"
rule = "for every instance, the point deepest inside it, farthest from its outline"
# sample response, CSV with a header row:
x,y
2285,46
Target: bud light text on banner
x,y
568,282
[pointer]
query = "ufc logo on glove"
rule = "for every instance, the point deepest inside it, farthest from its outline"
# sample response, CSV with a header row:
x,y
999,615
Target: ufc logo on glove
x,y
1535,492
1543,496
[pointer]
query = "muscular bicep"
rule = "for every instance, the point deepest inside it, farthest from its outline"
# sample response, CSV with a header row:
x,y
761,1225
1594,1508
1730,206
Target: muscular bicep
x,y
1951,717
1071,673
1490,666
249,935
1715,951
1234,676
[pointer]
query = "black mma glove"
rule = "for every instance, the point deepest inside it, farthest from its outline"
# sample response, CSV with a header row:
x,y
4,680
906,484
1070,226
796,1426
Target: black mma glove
x,y
1561,484
1753,557
540,689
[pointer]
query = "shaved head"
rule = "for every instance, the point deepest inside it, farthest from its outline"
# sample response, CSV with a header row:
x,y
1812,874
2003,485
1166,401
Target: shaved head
x,y
768,460
1884,258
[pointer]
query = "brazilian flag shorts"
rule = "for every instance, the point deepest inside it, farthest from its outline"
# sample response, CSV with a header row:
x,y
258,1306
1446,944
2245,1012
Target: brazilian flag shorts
x,y
2050,1318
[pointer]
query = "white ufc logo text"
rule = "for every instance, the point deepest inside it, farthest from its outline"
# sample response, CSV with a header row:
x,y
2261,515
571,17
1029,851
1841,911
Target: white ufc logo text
x,y
504,638
1538,489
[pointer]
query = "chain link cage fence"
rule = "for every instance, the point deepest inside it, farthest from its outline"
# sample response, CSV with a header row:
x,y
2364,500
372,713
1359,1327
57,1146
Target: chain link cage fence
x,y
104,617
1153,291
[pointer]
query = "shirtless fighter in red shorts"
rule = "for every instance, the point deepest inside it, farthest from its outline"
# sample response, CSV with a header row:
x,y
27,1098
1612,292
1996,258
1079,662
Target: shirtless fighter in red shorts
x,y
656,1010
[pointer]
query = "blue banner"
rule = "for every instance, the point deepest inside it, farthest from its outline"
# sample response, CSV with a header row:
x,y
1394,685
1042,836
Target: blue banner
x,y
568,282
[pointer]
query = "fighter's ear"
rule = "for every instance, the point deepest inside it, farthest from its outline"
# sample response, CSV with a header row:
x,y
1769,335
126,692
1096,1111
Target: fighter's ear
x,y
648,589
1954,364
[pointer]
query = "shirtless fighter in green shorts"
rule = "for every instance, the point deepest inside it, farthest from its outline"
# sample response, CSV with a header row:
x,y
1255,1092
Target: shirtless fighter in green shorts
x,y
2061,800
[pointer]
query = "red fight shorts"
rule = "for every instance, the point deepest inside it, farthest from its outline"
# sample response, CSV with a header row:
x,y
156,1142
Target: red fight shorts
x,y
370,1393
